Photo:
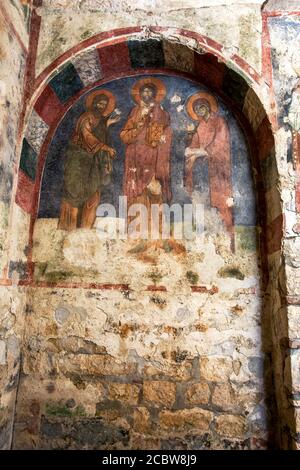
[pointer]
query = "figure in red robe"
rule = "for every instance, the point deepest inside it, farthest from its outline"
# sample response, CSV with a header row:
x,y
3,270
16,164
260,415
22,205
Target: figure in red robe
x,y
147,135
212,141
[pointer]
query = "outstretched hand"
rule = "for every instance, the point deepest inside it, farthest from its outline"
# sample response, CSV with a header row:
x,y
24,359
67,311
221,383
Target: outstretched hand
x,y
113,120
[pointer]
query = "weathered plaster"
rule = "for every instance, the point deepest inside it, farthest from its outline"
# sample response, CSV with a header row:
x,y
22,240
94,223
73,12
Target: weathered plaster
x,y
237,29
18,13
12,301
11,80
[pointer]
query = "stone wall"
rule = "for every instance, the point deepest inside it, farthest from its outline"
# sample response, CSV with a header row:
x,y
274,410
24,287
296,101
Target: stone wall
x,y
13,52
114,370
13,306
13,56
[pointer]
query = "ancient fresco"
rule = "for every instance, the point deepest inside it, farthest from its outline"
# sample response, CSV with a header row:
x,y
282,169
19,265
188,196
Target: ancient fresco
x,y
132,145
286,70
284,32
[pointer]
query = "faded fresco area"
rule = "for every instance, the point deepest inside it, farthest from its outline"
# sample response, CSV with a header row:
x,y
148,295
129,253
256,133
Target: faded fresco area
x,y
156,139
66,23
286,69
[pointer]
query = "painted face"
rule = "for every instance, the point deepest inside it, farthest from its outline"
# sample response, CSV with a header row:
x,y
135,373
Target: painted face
x,y
147,94
101,105
201,110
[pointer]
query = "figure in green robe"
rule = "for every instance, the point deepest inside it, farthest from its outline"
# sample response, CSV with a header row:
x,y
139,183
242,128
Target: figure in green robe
x,y
88,165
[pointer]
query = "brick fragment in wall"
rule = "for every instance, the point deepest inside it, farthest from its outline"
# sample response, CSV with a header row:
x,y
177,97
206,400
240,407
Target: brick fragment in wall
x,y
182,421
231,426
211,323
197,394
159,393
141,420
176,372
84,433
127,393
82,364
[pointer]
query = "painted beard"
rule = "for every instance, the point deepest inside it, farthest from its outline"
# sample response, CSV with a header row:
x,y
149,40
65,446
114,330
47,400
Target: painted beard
x,y
98,113
148,99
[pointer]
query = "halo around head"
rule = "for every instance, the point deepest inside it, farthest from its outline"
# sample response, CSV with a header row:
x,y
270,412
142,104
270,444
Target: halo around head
x,y
151,81
198,96
111,100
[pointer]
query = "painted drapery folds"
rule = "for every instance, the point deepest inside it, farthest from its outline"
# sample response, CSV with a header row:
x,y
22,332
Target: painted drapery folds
x,y
211,141
147,135
156,141
88,163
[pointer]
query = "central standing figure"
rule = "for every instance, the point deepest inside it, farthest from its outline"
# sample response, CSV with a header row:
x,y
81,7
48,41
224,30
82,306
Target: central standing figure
x,y
148,136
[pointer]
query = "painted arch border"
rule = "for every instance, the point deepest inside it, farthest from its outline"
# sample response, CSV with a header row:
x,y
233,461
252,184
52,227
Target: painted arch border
x,y
233,80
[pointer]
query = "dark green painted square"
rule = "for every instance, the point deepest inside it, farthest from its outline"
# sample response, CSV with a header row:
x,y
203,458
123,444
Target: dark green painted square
x,y
146,54
235,87
66,83
28,161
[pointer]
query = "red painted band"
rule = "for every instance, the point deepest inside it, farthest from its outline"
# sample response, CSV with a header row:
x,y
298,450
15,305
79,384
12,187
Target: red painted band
x,y
122,35
156,289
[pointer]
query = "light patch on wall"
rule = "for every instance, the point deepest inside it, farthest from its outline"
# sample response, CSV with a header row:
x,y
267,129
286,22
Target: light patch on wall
x,y
88,67
36,131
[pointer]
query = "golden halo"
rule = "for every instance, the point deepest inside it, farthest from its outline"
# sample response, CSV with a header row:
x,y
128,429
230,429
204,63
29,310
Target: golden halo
x,y
111,100
158,84
206,96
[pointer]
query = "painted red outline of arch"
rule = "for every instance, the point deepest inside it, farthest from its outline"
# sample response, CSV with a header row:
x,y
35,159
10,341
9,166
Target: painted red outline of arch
x,y
123,34
108,39
65,108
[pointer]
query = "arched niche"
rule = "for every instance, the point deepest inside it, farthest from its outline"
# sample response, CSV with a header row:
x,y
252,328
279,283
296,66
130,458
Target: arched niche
x,y
120,57
122,62
219,182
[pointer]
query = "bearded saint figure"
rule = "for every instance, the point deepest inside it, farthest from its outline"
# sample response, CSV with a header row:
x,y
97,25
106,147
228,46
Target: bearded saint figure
x,y
211,140
88,164
148,136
